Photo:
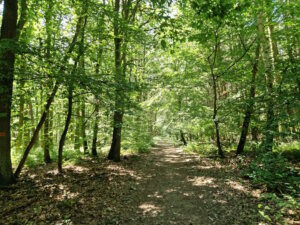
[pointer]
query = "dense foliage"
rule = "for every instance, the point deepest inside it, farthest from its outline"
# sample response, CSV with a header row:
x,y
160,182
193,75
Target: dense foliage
x,y
87,77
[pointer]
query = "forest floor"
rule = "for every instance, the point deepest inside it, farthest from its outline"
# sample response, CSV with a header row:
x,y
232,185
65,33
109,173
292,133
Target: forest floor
x,y
165,186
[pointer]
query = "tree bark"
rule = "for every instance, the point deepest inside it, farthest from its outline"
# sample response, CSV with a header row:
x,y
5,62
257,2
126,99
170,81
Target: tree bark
x,y
95,130
49,102
215,97
250,106
47,140
267,59
7,63
21,119
215,118
115,149
183,138
83,108
65,131
83,128
77,128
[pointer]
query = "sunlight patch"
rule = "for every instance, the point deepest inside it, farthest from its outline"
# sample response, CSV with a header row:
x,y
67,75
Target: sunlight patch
x,y
155,195
203,167
60,192
188,194
121,171
171,190
53,172
238,186
149,209
79,169
203,181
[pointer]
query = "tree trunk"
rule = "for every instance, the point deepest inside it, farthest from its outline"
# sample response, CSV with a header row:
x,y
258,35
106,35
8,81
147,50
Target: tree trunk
x,y
115,149
267,58
21,119
95,130
48,17
215,95
183,138
83,108
7,63
77,128
83,128
215,119
250,106
65,131
47,158
31,115
36,131
49,102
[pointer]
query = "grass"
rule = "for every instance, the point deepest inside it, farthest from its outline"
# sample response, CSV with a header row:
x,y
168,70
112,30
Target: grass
x,y
201,149
36,156
72,156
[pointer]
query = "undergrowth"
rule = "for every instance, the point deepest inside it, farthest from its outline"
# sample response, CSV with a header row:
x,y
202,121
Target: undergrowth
x,y
281,180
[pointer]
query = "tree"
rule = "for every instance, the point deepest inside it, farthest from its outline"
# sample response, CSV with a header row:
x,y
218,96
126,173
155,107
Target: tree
x,y
249,109
129,11
7,63
49,101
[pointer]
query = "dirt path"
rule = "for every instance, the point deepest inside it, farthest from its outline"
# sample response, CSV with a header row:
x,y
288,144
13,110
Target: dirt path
x,y
179,188
165,186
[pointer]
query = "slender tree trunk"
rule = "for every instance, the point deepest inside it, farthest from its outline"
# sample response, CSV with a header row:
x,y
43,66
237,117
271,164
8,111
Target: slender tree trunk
x,y
215,118
215,93
70,103
31,115
51,133
95,130
83,107
7,63
182,138
49,102
250,106
77,128
48,17
83,128
36,131
96,122
21,119
267,58
65,131
47,158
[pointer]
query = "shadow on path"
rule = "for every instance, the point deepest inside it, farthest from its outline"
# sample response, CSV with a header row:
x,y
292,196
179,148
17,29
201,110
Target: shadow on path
x,y
179,188
165,186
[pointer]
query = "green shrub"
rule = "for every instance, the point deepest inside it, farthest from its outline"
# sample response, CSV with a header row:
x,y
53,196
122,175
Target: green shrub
x,y
275,209
290,151
201,149
275,172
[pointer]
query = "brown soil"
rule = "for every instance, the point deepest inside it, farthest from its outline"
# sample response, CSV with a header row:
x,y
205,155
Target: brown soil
x,y
165,186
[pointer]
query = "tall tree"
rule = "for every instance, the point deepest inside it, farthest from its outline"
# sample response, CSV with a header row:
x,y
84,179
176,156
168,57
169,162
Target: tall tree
x,y
128,13
70,86
268,70
115,149
250,105
49,100
7,63
49,30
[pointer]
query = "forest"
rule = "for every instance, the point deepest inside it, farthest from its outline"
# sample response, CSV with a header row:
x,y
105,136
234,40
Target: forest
x,y
149,112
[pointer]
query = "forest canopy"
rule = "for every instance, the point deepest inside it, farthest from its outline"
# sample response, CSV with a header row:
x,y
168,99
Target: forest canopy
x,y
89,77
